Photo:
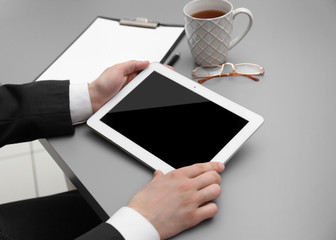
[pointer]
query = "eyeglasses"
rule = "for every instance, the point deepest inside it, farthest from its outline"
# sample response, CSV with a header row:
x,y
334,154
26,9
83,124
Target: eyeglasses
x,y
228,69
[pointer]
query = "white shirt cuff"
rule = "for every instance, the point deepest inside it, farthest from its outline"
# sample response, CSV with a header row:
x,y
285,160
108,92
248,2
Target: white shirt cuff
x,y
132,225
80,104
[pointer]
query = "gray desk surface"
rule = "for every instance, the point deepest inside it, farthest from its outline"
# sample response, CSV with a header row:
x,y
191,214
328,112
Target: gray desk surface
x,y
281,184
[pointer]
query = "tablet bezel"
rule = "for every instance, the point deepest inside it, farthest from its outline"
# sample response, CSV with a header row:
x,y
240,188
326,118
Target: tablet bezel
x,y
254,120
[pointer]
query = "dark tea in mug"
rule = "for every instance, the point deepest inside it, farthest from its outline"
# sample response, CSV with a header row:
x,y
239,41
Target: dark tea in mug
x,y
208,14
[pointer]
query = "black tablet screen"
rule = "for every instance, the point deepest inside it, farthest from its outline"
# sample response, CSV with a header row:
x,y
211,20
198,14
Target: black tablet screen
x,y
177,125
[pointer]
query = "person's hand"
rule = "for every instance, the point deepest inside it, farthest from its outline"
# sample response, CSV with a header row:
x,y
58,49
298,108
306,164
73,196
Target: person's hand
x,y
180,199
112,80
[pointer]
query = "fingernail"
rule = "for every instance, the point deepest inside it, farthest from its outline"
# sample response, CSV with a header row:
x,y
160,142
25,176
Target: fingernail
x,y
221,166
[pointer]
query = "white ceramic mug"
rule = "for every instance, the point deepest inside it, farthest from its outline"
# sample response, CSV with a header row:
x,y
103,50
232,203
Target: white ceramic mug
x,y
210,39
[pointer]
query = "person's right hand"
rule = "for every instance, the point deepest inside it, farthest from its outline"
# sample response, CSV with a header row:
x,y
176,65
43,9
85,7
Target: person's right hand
x,y
180,199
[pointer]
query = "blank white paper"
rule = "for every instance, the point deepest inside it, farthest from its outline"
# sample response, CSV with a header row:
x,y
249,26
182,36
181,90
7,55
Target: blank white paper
x,y
106,43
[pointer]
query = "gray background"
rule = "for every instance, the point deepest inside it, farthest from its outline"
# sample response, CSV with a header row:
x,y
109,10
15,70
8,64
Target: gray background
x,y
281,184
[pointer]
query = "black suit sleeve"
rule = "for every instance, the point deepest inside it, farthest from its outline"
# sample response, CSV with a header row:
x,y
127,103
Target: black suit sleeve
x,y
41,110
103,231
34,110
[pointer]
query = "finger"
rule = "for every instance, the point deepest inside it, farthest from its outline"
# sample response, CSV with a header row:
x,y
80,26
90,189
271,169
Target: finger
x,y
128,70
168,66
208,210
208,194
199,168
133,66
206,179
157,174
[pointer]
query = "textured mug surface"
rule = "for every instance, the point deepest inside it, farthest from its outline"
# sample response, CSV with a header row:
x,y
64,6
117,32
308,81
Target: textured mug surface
x,y
210,39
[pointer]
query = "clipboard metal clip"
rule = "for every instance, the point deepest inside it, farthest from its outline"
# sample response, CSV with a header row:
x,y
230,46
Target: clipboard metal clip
x,y
138,22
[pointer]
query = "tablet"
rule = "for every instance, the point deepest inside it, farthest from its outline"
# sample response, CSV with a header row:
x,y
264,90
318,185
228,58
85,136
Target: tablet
x,y
168,121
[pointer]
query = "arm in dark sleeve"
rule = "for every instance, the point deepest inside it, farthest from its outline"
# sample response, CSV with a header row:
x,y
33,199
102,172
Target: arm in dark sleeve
x,y
103,231
34,110
40,110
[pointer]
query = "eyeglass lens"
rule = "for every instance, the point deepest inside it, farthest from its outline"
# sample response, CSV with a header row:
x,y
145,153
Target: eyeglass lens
x,y
250,69
213,70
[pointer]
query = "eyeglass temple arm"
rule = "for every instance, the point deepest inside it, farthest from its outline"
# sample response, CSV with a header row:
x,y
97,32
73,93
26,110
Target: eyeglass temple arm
x,y
246,75
205,79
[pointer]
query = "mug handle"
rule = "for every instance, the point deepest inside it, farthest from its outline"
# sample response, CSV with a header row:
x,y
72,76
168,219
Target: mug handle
x,y
242,35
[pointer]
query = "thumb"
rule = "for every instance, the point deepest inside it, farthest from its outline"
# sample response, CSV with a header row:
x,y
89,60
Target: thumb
x,y
133,66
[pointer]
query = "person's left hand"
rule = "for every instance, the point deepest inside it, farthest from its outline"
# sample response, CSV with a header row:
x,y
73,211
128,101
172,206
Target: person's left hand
x,y
112,80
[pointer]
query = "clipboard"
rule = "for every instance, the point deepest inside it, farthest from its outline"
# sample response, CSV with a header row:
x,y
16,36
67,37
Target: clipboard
x,y
109,41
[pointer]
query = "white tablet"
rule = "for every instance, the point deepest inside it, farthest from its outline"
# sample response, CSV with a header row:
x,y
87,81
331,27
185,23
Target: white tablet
x,y
168,121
